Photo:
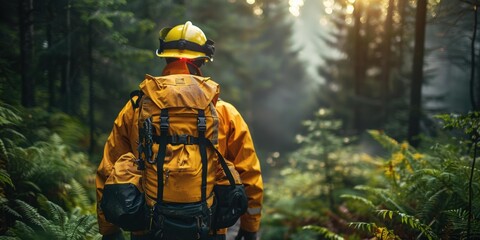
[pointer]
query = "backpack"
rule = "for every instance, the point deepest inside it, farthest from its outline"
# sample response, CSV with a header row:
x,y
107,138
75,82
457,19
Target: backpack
x,y
178,159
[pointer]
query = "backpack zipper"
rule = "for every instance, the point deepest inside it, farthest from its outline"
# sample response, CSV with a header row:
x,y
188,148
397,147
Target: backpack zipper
x,y
167,175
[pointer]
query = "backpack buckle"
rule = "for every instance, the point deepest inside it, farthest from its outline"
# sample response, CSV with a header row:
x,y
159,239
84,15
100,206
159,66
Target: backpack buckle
x,y
202,124
182,139
163,123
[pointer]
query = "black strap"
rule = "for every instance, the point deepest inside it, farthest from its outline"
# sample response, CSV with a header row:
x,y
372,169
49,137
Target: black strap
x,y
162,149
202,142
208,48
179,139
137,93
223,163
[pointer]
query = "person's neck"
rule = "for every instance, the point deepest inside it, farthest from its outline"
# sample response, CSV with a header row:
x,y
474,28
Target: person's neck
x,y
181,67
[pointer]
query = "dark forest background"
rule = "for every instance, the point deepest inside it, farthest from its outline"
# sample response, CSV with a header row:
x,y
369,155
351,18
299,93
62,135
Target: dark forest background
x,y
364,113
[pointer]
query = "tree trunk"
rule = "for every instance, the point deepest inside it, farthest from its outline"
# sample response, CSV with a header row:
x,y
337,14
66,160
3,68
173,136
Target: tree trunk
x,y
473,88
386,52
67,78
90,87
25,21
50,59
359,67
417,74
478,83
402,10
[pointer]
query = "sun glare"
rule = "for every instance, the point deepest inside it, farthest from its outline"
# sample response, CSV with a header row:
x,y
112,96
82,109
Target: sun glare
x,y
295,6
349,9
257,10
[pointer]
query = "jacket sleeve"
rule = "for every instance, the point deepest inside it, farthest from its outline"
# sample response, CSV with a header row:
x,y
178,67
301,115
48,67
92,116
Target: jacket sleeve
x,y
118,143
240,150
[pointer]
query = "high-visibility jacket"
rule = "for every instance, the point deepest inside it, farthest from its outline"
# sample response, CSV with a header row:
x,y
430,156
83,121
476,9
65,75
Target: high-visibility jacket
x,y
235,144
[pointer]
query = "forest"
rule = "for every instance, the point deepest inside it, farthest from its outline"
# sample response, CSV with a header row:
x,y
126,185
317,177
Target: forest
x,y
365,113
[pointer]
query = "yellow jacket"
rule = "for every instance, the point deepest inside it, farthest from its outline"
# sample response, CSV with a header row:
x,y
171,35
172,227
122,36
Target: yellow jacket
x,y
235,144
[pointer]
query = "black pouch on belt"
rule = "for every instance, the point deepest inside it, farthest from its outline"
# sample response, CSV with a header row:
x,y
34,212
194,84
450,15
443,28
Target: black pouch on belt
x,y
180,221
231,204
124,205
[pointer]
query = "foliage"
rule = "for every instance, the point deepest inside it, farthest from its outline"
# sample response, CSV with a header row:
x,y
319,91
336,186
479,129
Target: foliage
x,y
34,172
468,123
425,194
324,232
54,223
307,191
403,193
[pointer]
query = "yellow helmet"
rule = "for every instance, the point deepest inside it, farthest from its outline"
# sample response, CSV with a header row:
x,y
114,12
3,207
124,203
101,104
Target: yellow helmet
x,y
185,41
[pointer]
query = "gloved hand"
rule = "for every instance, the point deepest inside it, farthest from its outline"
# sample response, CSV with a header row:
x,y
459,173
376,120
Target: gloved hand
x,y
116,236
242,234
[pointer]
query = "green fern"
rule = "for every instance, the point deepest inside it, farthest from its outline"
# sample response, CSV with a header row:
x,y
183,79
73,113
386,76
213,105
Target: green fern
x,y
458,219
30,215
56,224
324,232
55,213
360,199
382,233
8,115
9,211
78,196
363,226
21,231
5,178
383,194
410,221
386,141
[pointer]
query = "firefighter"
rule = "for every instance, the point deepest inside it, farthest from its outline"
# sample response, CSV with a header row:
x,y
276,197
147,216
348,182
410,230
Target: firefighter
x,y
186,49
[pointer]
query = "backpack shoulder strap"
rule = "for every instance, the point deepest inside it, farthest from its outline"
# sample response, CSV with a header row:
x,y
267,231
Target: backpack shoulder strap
x,y
137,93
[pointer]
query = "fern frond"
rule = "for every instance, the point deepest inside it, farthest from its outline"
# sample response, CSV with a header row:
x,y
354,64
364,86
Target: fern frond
x,y
382,193
431,205
458,219
360,199
54,212
324,232
410,221
3,152
79,195
13,134
9,212
5,178
22,231
386,141
31,215
363,226
8,238
8,115
29,185
79,226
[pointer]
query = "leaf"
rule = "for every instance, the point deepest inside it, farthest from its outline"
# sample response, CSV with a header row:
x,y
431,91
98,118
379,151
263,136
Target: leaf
x,y
5,178
360,199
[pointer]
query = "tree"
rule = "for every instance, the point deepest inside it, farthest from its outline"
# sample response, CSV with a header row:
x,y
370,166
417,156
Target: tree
x,y
386,64
364,82
417,74
25,23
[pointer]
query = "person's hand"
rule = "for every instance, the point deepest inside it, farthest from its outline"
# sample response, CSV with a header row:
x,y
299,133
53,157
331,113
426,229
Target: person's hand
x,y
116,236
242,234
